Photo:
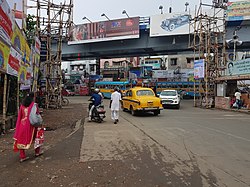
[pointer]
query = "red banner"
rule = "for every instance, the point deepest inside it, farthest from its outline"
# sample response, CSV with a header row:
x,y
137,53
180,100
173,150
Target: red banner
x,y
106,31
18,14
14,63
5,22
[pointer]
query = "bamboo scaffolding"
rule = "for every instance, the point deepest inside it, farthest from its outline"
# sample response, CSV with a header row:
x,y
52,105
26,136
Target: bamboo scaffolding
x,y
209,43
54,22
4,103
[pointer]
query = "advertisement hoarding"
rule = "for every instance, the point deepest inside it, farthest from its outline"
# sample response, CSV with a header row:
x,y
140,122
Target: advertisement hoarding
x,y
146,71
238,11
178,23
159,74
105,31
240,67
4,55
199,69
14,62
35,59
6,21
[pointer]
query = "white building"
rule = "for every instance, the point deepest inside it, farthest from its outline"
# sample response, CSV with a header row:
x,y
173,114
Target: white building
x,y
81,67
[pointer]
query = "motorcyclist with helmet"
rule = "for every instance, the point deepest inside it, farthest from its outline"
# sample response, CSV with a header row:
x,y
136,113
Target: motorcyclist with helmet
x,y
97,100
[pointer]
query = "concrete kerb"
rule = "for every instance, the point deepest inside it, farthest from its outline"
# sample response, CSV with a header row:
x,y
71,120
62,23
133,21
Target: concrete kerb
x,y
235,110
230,110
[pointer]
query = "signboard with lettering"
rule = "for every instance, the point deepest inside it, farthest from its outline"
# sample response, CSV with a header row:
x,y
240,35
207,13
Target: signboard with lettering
x,y
4,55
238,11
6,21
159,74
240,67
199,69
105,31
14,62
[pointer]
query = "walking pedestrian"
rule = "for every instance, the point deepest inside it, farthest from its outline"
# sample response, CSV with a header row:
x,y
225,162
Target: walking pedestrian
x,y
238,97
25,133
115,105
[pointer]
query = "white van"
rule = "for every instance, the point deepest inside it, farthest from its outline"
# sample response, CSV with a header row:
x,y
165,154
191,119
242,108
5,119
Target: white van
x,y
170,98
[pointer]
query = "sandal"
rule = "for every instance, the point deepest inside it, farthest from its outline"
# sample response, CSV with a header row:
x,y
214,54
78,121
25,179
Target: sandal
x,y
23,159
39,154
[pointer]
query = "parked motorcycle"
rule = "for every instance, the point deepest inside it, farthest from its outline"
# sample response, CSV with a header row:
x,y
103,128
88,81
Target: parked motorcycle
x,y
98,113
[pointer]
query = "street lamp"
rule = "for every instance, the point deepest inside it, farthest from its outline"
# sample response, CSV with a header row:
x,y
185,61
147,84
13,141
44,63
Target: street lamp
x,y
124,12
186,4
105,16
235,40
170,10
161,8
86,19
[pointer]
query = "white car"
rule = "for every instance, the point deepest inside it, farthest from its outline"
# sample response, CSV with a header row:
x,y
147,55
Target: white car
x,y
170,98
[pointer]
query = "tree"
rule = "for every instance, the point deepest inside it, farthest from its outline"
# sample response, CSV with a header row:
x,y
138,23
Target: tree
x,y
30,28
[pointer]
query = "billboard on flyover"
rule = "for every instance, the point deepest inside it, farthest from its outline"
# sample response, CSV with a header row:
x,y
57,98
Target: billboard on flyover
x,y
105,31
178,23
238,11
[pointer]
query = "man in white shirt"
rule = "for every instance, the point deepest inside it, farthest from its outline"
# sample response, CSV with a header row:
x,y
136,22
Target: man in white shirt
x,y
115,105
238,96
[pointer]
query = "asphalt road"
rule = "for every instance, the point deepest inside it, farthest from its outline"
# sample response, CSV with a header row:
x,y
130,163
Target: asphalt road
x,y
186,147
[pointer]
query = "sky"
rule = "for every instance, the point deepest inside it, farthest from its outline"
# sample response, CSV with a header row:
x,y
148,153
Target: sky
x,y
93,9
113,8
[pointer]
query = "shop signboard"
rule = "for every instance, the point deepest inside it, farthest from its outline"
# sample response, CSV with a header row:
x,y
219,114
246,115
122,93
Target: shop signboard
x,y
105,31
155,66
22,57
238,11
240,67
35,60
14,62
159,74
20,44
4,55
199,70
6,21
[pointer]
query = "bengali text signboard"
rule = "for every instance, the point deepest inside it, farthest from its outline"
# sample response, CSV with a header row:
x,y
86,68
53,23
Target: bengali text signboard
x,y
6,21
14,62
199,69
238,11
240,67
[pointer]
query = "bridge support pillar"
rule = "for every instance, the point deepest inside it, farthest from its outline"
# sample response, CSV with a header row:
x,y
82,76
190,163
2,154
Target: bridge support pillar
x,y
98,71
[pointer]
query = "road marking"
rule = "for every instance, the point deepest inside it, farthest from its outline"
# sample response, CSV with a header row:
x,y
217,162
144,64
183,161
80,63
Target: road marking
x,y
231,115
225,133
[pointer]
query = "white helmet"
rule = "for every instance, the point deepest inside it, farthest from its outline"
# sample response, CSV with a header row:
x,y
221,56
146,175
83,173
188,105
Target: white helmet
x,y
97,90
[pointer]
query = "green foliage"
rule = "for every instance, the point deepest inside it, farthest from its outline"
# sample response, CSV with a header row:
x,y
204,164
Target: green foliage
x,y
30,28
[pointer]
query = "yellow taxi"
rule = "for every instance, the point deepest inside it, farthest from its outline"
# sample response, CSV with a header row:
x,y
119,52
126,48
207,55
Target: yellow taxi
x,y
139,99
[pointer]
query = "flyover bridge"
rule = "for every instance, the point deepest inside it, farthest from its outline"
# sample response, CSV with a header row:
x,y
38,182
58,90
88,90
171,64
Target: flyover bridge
x,y
144,45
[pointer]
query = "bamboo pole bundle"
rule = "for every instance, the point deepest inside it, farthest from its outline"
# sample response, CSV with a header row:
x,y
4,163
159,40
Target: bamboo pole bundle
x,y
4,102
